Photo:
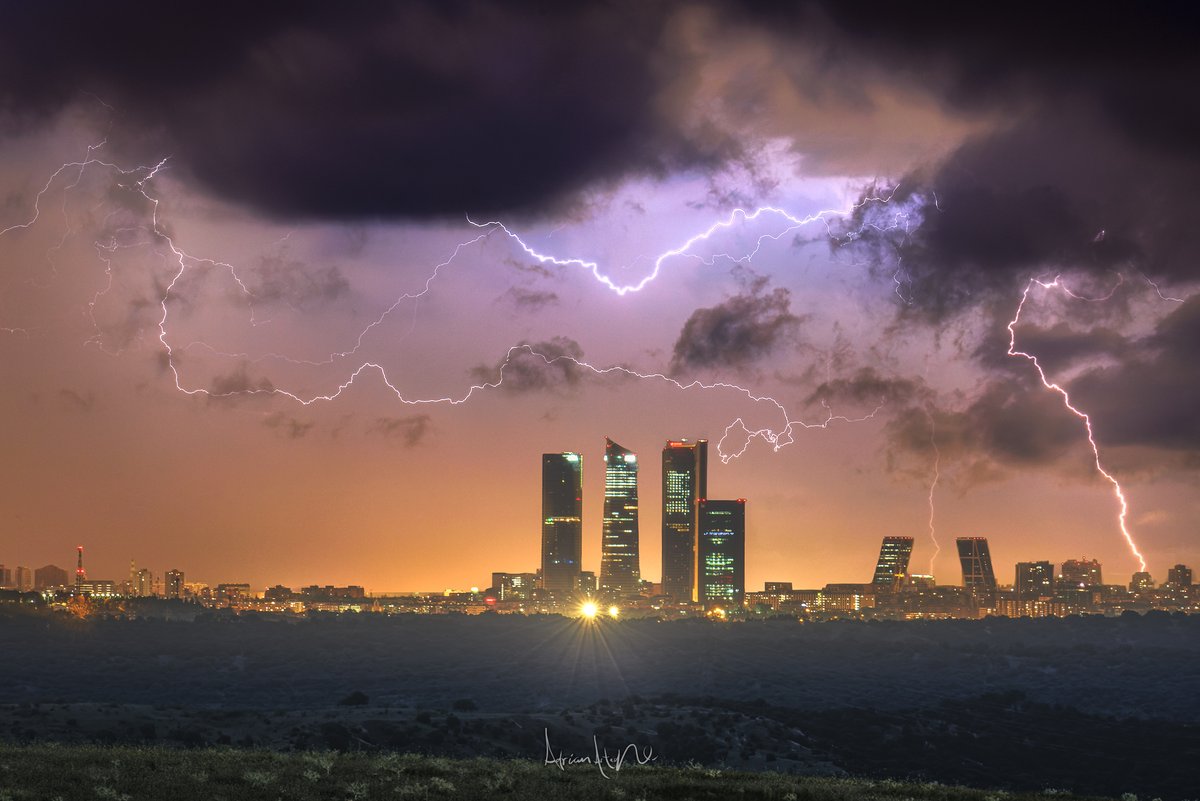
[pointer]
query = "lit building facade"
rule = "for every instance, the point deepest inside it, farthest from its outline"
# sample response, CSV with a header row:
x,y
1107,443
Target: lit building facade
x,y
1035,580
892,567
721,553
142,583
562,521
979,579
1080,574
1141,582
514,586
1179,576
174,584
620,568
684,482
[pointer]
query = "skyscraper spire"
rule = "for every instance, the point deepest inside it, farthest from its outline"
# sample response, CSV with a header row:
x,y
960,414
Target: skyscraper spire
x,y
80,575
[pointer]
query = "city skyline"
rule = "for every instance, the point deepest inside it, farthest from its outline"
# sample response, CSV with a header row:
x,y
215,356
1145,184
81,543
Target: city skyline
x,y
569,579
905,282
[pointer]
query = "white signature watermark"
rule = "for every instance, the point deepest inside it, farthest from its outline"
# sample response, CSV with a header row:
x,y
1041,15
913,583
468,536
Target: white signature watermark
x,y
605,762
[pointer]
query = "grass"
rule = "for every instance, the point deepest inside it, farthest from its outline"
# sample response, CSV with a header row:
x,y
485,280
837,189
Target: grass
x,y
78,773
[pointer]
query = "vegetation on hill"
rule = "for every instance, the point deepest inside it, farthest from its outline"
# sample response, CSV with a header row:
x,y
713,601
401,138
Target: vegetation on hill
x,y
76,773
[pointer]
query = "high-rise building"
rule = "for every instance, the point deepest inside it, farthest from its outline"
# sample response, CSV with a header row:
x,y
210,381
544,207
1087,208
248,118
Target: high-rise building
x,y
562,521
620,568
1141,582
920,581
174,584
586,584
6,577
721,553
1080,574
142,583
893,563
684,482
1035,580
23,578
514,586
979,580
1180,576
49,577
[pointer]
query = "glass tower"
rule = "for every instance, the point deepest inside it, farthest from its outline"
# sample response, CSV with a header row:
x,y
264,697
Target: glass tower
x,y
562,520
721,554
620,570
978,577
685,482
893,563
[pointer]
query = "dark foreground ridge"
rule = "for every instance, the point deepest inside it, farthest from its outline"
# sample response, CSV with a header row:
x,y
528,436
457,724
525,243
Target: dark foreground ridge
x,y
1097,706
133,774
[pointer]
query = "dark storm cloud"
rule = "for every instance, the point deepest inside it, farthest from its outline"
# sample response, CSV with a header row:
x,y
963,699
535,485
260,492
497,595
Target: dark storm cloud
x,y
1095,158
738,331
238,382
313,109
74,401
297,284
1152,397
869,386
1061,346
287,425
531,300
1143,398
1010,426
409,431
545,366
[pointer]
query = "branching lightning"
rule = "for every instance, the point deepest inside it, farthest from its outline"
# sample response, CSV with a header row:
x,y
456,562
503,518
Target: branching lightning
x,y
141,176
1087,422
792,223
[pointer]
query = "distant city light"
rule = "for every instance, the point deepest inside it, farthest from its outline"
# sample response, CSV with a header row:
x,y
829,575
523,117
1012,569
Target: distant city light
x,y
613,611
589,610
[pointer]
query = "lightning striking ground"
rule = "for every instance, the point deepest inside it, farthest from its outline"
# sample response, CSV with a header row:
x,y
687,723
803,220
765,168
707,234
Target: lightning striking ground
x,y
937,475
1118,492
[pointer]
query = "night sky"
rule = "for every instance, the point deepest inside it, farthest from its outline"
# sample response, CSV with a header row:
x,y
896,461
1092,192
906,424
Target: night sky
x,y
268,204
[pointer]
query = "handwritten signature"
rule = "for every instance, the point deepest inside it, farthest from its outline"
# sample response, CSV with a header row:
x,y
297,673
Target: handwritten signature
x,y
605,762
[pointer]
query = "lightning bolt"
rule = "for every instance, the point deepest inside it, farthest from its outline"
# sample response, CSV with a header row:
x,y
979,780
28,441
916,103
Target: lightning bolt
x,y
1118,493
777,437
1159,291
937,475
743,216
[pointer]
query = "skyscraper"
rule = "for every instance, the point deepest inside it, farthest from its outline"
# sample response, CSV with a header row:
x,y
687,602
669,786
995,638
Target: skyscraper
x,y
1141,582
174,584
620,568
1180,576
562,521
1080,573
721,553
892,567
1034,580
978,578
143,583
685,482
